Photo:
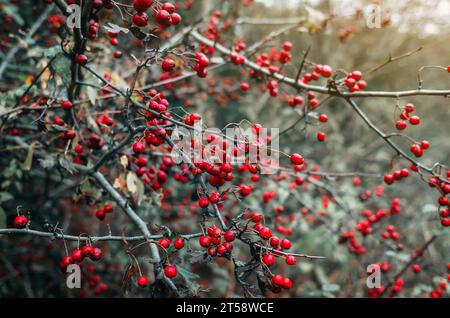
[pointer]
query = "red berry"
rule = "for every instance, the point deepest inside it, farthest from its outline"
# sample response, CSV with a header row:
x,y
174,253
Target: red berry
x,y
287,283
138,147
142,5
87,250
203,202
100,214
229,236
416,268
163,17
414,120
20,221
409,108
175,18
401,124
81,59
268,259
77,255
170,271
389,179
96,254
278,280
66,105
140,19
285,244
296,159
168,65
142,281
221,249
204,241
291,260
321,136
164,242
78,148
265,232
323,118
178,243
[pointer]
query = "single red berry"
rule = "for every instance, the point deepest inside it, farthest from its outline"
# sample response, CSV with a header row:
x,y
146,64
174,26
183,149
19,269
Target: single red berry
x,y
178,243
67,104
321,136
414,120
81,59
164,242
287,283
100,214
168,65
138,147
409,108
416,268
204,241
96,254
221,249
170,271
203,202
77,255
20,221
389,179
285,244
265,233
278,280
140,19
229,236
424,144
323,118
87,250
268,259
401,124
163,17
291,260
117,54
142,5
142,281
78,148
297,159
175,18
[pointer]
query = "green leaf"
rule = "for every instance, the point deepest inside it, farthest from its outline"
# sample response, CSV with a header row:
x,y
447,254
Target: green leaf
x,y
187,275
5,196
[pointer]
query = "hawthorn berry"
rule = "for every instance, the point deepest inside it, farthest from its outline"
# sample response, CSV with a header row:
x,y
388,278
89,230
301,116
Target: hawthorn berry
x,y
87,250
278,280
178,243
168,65
321,136
81,59
268,259
164,242
229,236
142,281
138,147
66,105
20,221
142,5
77,255
140,19
204,241
285,244
296,159
290,260
203,202
265,233
170,271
